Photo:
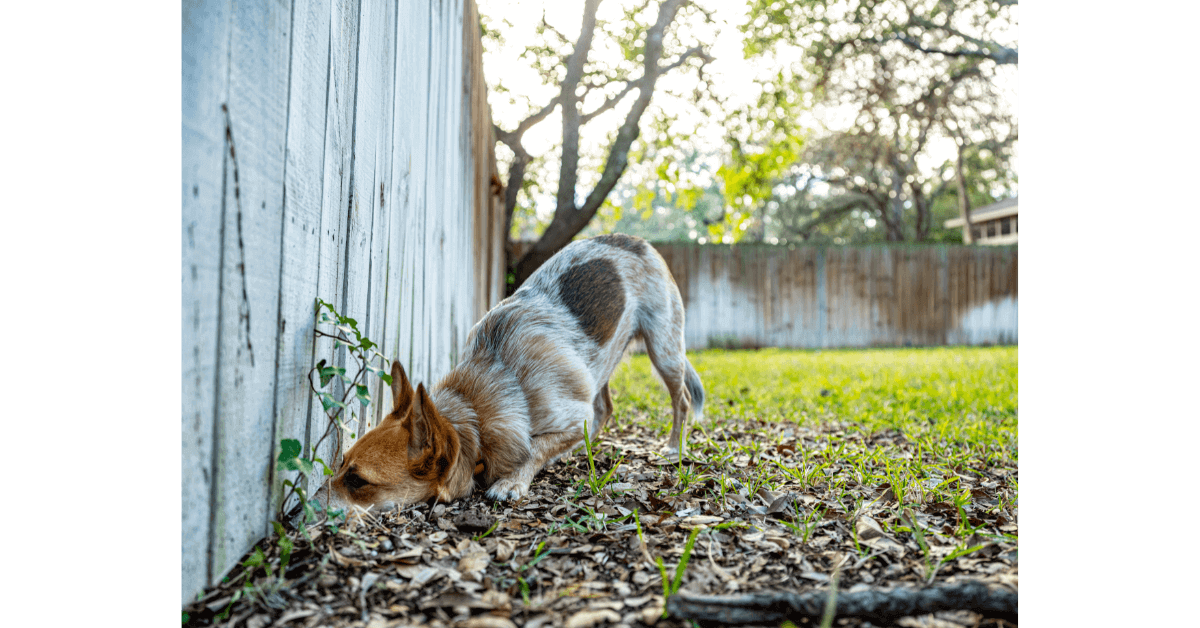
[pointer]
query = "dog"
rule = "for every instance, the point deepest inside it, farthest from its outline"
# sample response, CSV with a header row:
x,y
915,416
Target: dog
x,y
532,382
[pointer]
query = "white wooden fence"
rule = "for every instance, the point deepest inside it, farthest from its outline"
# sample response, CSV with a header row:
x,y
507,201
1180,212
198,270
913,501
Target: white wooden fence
x,y
335,149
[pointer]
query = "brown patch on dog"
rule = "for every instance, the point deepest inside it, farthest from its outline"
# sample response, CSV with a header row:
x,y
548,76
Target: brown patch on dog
x,y
633,244
593,292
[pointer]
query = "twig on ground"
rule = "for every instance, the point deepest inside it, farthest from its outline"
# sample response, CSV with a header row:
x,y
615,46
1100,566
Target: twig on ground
x,y
875,605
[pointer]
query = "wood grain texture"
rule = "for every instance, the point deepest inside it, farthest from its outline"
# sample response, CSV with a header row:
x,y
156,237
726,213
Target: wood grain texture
x,y
299,268
205,76
347,164
812,297
254,154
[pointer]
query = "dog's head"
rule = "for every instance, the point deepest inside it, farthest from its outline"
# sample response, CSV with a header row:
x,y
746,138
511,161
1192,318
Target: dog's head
x,y
407,458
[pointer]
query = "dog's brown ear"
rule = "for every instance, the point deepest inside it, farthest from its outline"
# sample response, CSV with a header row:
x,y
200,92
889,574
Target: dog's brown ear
x,y
402,391
433,445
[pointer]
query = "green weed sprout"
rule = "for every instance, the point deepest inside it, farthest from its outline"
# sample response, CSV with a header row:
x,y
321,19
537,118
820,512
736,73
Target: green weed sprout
x,y
920,536
670,587
597,485
489,531
538,555
249,567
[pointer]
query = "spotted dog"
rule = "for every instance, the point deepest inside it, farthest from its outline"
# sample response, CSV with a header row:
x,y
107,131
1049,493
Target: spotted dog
x,y
534,376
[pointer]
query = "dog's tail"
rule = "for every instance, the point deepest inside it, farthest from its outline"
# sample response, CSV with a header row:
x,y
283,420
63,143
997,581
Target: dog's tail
x,y
695,388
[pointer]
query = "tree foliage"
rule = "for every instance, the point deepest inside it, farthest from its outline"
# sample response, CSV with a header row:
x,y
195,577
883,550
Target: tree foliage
x,y
905,75
844,138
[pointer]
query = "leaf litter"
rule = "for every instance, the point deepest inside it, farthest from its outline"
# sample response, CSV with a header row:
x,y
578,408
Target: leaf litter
x,y
774,505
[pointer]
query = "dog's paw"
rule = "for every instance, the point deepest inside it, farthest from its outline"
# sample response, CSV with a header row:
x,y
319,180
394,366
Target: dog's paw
x,y
506,490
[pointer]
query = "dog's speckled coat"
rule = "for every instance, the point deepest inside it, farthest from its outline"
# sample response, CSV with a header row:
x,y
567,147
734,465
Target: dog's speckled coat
x,y
533,377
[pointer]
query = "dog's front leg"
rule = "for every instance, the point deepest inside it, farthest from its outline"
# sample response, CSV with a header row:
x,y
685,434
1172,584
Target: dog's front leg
x,y
545,447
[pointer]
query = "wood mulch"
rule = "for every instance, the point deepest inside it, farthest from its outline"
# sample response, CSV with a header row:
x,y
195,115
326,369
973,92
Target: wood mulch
x,y
438,566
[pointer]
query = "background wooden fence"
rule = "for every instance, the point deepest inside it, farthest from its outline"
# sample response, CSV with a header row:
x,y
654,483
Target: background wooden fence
x,y
335,149
797,296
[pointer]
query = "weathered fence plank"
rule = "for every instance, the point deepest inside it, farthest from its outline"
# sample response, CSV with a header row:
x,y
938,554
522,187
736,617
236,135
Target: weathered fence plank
x,y
795,296
256,116
331,149
205,79
299,268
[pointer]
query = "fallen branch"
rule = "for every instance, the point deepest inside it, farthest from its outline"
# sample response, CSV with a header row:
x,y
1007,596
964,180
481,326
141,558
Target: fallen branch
x,y
878,606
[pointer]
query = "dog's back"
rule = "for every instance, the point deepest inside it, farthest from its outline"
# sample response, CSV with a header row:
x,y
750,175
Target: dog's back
x,y
556,342
533,380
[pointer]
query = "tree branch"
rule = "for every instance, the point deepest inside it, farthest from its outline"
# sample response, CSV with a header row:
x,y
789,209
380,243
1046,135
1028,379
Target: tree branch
x,y
618,156
841,205
877,606
1000,54
611,102
568,172
569,219
546,25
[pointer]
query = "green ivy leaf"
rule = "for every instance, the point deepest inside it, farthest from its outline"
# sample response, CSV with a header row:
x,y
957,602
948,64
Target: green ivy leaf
x,y
327,470
303,465
312,508
289,449
382,374
328,372
364,395
285,546
330,403
257,559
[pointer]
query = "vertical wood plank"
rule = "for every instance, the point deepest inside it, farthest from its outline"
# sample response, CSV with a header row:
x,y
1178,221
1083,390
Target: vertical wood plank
x,y
302,236
255,138
205,60
335,198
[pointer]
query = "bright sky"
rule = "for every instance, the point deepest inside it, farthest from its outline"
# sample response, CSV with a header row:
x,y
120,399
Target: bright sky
x,y
731,74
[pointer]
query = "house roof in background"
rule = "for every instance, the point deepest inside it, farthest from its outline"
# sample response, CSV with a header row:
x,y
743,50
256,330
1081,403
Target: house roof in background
x,y
999,209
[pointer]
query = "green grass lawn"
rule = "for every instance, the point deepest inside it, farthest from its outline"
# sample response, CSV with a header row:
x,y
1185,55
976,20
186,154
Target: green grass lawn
x,y
953,412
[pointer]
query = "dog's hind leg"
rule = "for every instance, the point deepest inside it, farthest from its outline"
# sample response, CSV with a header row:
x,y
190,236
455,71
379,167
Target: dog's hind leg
x,y
663,334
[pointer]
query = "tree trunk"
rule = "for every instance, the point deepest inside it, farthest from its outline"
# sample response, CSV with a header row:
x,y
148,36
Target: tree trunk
x,y
569,219
964,203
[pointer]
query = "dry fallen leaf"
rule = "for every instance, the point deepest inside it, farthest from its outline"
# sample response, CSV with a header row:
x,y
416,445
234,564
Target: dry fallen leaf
x,y
487,621
410,556
592,617
868,528
474,559
504,550
699,521
344,560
